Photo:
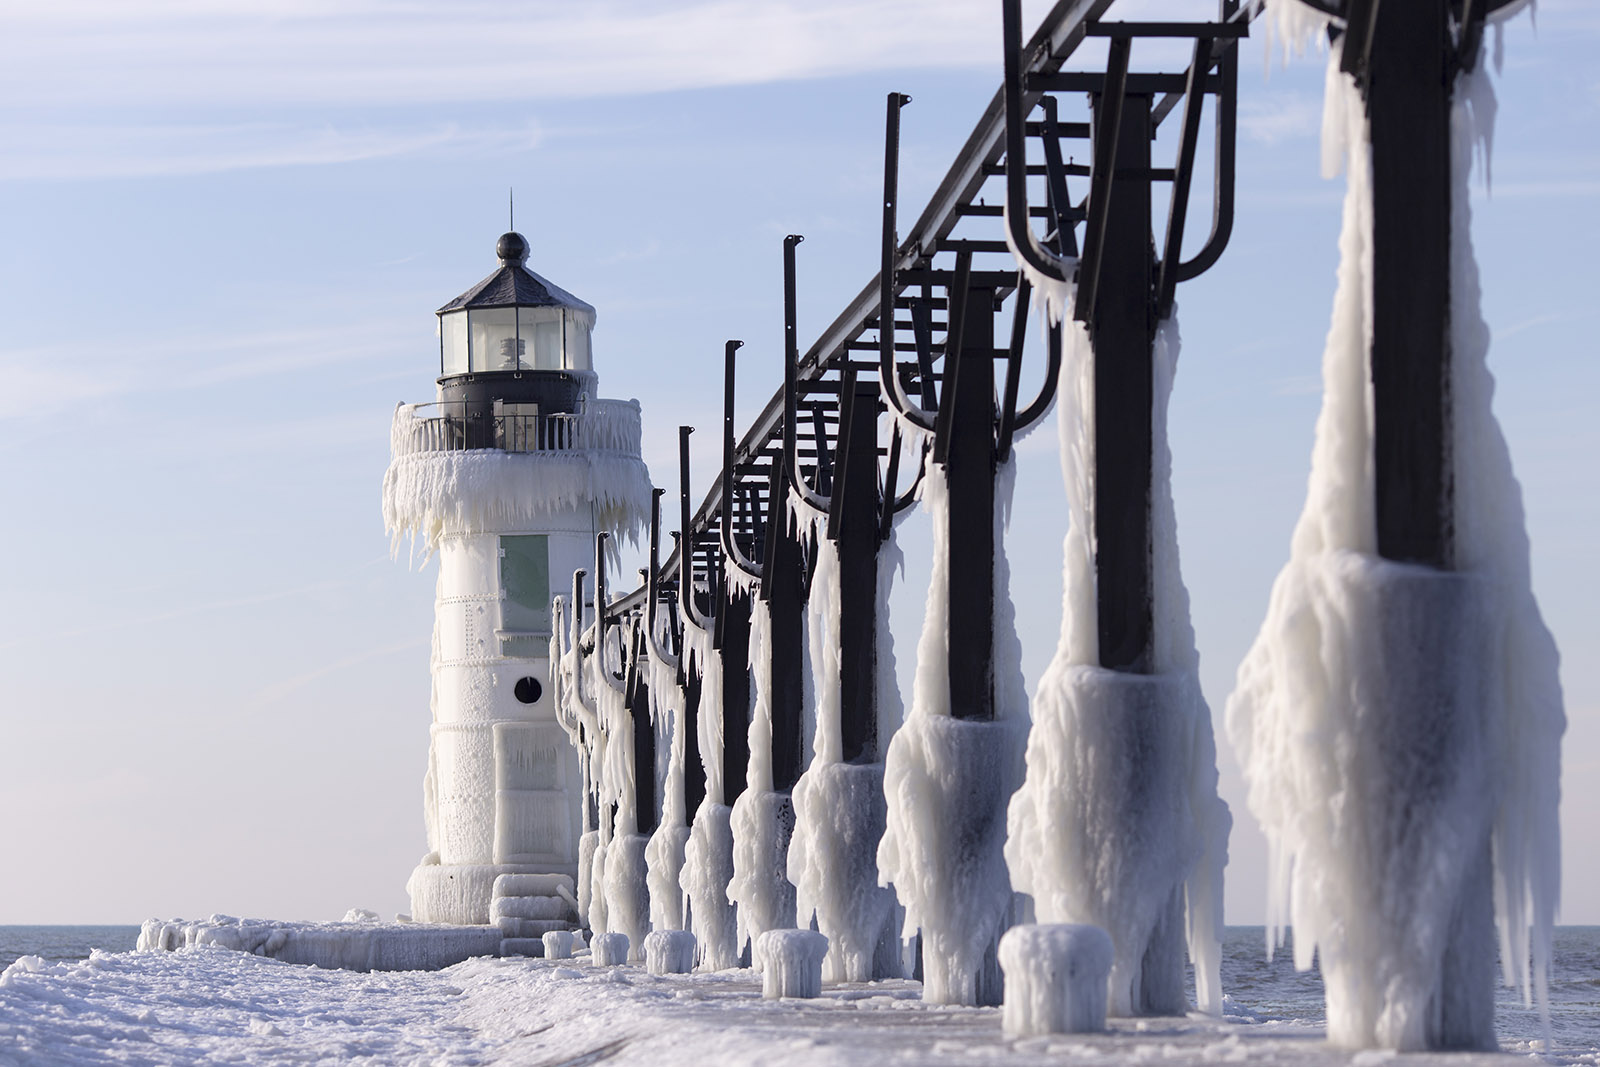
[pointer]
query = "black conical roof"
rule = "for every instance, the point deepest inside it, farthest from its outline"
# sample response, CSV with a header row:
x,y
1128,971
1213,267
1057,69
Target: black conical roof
x,y
514,284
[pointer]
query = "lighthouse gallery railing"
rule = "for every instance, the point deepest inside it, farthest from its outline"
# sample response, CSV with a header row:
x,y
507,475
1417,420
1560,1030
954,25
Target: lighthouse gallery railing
x,y
600,425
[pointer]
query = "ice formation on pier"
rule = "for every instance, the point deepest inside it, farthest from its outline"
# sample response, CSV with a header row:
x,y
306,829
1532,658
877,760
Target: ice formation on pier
x,y
762,818
664,856
1118,824
708,854
947,781
840,812
427,490
1382,787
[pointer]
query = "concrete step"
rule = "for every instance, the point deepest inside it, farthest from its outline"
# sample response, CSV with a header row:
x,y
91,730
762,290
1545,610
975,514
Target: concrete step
x,y
529,907
514,928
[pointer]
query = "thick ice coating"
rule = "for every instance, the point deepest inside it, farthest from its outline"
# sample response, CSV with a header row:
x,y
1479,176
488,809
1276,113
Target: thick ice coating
x,y
427,488
664,856
947,781
609,950
708,852
669,952
1118,823
790,962
1399,727
1056,979
353,945
839,808
762,819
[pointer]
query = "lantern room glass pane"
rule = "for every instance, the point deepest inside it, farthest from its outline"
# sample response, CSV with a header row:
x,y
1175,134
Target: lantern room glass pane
x,y
541,332
452,344
493,333
577,344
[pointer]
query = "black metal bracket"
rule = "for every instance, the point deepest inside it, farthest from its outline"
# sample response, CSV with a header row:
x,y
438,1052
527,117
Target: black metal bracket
x,y
888,373
686,595
791,372
730,544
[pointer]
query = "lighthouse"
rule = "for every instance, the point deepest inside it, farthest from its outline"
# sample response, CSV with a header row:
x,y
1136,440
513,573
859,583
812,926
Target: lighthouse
x,y
505,478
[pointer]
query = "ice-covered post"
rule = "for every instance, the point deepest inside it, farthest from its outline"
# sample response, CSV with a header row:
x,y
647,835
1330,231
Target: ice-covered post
x,y
840,812
1399,717
620,860
1403,58
1118,824
763,817
953,765
717,650
674,698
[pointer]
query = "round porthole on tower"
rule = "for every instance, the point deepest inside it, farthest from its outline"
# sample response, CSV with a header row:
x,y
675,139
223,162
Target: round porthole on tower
x,y
528,690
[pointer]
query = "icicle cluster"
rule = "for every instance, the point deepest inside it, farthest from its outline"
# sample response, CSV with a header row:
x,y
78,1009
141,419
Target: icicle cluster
x,y
424,491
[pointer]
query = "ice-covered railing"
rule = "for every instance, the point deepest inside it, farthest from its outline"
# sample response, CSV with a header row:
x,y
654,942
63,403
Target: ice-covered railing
x,y
602,425
583,460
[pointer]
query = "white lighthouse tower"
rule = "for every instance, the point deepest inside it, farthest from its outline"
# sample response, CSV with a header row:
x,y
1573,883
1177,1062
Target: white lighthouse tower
x,y
507,477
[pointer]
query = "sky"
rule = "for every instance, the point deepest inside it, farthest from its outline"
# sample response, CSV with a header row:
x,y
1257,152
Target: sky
x,y
225,226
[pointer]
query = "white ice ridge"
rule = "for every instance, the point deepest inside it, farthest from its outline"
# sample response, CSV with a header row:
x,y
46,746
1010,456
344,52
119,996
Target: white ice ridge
x,y
1118,823
1381,786
947,781
425,491
352,945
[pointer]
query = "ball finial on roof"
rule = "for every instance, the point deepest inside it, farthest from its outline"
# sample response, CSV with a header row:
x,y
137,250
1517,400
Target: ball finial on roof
x,y
512,248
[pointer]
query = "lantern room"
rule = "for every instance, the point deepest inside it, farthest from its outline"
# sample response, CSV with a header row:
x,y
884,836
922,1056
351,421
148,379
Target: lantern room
x,y
514,320
514,337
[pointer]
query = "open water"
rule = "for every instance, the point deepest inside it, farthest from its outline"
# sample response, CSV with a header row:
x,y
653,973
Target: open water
x,y
1270,989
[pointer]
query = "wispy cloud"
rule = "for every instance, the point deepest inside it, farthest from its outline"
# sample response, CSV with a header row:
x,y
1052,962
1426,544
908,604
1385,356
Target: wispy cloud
x,y
43,381
1273,116
366,53
69,149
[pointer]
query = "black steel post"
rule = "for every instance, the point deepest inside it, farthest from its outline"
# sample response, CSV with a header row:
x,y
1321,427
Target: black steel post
x,y
854,526
1408,87
647,811
969,461
733,619
694,772
783,588
1123,330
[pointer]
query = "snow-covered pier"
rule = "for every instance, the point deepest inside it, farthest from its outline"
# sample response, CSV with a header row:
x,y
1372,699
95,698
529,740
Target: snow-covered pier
x,y
718,768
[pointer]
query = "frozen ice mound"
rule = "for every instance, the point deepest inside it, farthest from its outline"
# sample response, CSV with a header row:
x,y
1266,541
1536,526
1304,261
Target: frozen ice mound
x,y
609,950
558,945
790,962
1056,979
669,952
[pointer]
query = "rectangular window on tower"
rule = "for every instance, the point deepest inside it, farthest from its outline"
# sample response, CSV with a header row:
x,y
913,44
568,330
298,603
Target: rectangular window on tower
x,y
524,595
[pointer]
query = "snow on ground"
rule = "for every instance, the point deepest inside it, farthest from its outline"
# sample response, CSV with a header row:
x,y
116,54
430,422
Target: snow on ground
x,y
214,1006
